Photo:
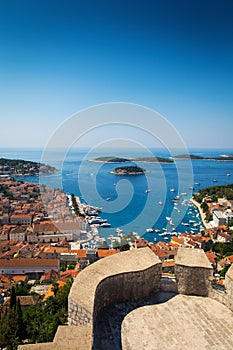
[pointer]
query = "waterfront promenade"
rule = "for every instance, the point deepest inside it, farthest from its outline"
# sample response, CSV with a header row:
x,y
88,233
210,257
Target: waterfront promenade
x,y
198,206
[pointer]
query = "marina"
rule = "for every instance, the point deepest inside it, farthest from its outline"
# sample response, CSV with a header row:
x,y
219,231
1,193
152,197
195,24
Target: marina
x,y
145,209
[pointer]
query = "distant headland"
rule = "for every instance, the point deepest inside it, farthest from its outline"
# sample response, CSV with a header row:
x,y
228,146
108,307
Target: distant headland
x,y
125,160
19,167
129,170
222,158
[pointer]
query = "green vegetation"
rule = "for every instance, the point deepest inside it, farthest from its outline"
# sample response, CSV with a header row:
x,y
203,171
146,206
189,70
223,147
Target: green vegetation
x,y
38,323
12,330
75,206
153,160
223,249
129,170
110,160
22,167
188,156
215,192
140,159
224,271
194,157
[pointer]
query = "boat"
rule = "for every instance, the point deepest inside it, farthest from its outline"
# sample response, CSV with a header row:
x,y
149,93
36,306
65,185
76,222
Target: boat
x,y
197,183
214,180
150,229
148,190
160,203
108,199
185,224
118,230
157,230
228,174
168,218
184,194
105,224
172,190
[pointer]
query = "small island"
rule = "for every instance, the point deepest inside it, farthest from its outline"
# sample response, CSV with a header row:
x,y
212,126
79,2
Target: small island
x,y
140,159
129,170
19,167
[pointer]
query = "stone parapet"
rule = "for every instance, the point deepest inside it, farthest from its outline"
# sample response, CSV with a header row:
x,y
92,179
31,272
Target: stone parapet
x,y
229,288
193,272
126,276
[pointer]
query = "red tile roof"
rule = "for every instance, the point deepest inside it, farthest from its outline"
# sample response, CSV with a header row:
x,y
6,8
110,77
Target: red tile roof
x,y
102,253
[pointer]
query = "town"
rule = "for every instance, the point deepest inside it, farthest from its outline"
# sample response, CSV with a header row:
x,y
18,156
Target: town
x,y
45,236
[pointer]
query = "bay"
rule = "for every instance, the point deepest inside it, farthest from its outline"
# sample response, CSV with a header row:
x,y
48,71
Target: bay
x,y
125,200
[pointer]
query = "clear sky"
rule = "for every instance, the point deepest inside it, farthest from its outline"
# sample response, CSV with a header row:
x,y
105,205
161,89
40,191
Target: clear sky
x,y
60,56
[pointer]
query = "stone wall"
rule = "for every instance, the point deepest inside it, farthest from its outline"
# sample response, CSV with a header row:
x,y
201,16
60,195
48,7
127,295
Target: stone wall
x,y
193,272
229,288
126,276
129,276
126,287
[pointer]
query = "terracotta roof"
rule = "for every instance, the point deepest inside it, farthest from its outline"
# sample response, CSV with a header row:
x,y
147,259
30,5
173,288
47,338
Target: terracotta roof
x,y
162,253
102,253
27,262
67,274
21,216
19,278
45,227
211,256
230,258
82,253
168,263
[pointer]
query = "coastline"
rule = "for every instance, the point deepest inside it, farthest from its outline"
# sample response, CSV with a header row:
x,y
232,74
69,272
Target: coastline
x,y
128,174
198,206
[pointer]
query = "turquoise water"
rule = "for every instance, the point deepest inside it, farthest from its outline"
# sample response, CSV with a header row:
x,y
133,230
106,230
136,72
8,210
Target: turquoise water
x,y
128,205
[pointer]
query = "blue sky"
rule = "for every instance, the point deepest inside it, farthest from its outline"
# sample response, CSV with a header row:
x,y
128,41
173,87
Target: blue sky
x,y
57,57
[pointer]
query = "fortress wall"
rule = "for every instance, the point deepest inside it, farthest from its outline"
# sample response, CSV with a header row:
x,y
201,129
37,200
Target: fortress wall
x,y
219,296
229,288
123,277
127,287
78,316
129,276
193,272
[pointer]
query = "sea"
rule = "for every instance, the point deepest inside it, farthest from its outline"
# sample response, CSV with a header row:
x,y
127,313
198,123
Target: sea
x,y
158,199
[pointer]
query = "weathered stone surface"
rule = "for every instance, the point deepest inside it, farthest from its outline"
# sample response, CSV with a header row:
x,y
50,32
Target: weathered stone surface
x,y
229,287
183,322
129,275
134,275
192,258
193,272
66,338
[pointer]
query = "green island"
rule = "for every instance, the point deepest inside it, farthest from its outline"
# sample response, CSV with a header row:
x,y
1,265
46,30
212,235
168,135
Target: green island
x,y
128,170
124,160
19,167
224,158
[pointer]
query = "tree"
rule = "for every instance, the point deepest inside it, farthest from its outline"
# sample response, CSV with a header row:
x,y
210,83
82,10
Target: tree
x,y
13,298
